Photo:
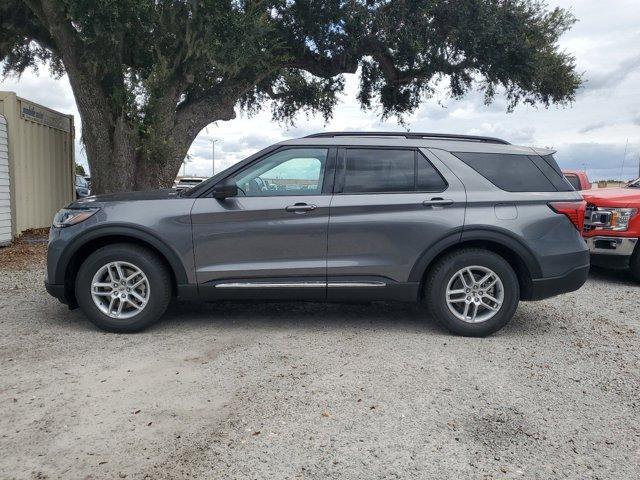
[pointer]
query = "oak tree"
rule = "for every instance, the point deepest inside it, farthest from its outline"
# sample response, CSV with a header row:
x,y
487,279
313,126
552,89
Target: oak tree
x,y
148,75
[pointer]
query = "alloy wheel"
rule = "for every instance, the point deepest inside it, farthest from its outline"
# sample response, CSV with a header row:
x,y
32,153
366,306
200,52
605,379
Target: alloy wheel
x,y
120,290
475,294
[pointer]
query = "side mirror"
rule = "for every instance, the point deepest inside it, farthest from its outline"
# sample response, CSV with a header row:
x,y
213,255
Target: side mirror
x,y
225,189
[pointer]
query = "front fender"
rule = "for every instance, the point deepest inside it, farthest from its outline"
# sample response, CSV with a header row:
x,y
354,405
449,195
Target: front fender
x,y
121,232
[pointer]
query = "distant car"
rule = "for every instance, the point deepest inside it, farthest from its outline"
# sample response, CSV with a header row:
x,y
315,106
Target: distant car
x,y
82,187
578,179
469,226
186,183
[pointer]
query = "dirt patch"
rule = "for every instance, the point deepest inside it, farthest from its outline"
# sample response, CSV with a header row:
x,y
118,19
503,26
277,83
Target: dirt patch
x,y
28,251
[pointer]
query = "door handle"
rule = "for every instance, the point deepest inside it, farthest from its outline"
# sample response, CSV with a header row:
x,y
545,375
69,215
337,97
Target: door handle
x,y
300,208
438,202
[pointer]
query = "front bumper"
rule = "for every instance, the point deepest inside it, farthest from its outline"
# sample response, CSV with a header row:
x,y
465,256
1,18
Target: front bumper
x,y
621,246
56,291
611,252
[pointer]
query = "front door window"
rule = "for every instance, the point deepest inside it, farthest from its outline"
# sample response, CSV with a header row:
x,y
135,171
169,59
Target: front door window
x,y
291,172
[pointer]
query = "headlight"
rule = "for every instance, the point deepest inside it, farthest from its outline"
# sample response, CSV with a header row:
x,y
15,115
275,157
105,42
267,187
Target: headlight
x,y
69,216
616,219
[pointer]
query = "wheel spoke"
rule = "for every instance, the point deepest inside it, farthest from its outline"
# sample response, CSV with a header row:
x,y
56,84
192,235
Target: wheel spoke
x,y
134,304
133,275
102,294
492,283
486,305
457,300
455,292
137,296
120,306
475,312
111,302
110,273
121,275
493,299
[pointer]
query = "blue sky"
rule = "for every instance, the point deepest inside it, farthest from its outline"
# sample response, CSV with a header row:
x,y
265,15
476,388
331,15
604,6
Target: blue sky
x,y
591,133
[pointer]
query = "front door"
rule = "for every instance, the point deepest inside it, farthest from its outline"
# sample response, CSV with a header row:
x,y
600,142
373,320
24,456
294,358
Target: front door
x,y
270,241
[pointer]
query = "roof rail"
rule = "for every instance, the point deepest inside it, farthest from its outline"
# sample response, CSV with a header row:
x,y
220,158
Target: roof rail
x,y
412,135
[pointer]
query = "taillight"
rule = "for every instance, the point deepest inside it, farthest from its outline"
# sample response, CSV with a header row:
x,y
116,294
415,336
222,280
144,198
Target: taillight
x,y
574,211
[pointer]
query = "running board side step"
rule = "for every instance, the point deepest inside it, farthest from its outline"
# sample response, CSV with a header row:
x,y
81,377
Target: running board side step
x,y
300,285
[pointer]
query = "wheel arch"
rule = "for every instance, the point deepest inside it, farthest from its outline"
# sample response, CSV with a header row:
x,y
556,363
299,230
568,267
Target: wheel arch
x,y
499,241
87,243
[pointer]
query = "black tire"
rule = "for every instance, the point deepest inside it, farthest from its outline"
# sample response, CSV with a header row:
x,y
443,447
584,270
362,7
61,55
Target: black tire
x,y
445,269
159,293
634,263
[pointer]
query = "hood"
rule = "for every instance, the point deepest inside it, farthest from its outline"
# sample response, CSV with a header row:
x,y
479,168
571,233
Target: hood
x,y
613,197
167,193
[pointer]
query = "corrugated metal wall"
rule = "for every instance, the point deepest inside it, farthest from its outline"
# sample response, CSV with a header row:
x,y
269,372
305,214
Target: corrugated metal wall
x,y
42,165
5,201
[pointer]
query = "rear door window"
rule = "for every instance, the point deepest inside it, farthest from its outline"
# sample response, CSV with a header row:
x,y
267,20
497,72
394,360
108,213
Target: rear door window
x,y
379,170
385,170
515,173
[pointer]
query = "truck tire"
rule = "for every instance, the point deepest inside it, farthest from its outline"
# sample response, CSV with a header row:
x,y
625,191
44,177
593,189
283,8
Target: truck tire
x,y
472,292
123,288
634,263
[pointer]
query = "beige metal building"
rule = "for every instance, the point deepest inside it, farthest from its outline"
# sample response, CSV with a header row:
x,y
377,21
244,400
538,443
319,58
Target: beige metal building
x,y
37,165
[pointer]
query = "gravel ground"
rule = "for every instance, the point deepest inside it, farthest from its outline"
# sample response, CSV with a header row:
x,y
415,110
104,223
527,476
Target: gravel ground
x,y
275,390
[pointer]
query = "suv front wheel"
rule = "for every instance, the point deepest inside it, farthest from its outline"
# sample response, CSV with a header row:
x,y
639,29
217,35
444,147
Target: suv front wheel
x,y
472,292
123,288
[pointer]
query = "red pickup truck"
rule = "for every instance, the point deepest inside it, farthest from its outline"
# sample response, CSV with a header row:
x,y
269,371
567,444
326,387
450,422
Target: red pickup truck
x,y
612,226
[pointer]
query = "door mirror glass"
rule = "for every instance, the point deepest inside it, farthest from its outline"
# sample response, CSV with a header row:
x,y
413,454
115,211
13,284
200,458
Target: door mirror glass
x,y
225,189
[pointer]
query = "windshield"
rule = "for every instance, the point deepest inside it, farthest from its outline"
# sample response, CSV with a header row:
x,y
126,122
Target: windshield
x,y
635,183
81,182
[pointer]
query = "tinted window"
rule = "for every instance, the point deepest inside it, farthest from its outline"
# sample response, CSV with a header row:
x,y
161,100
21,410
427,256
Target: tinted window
x,y
574,181
379,170
428,179
513,173
554,176
294,171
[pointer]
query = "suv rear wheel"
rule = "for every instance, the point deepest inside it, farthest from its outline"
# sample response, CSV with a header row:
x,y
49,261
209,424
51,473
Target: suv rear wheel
x,y
123,288
472,292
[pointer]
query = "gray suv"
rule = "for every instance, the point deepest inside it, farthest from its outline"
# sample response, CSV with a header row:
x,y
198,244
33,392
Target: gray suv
x,y
466,225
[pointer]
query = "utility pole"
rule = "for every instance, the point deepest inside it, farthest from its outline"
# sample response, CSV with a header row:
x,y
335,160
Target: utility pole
x,y
626,146
213,156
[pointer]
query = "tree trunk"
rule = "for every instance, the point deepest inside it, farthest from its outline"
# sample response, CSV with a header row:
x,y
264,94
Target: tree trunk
x,y
121,159
130,161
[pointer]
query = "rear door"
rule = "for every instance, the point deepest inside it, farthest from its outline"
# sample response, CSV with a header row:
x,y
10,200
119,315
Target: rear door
x,y
389,206
271,240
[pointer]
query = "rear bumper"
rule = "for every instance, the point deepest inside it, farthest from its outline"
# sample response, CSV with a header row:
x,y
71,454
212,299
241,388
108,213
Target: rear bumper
x,y
542,288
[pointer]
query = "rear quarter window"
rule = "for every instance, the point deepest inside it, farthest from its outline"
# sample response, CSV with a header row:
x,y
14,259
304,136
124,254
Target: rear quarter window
x,y
516,173
574,181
